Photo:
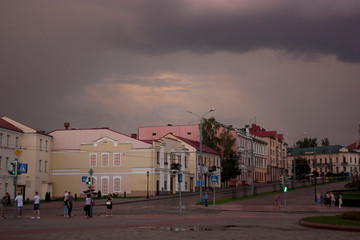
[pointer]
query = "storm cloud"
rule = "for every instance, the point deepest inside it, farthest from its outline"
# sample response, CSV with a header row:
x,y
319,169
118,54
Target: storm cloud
x,y
291,65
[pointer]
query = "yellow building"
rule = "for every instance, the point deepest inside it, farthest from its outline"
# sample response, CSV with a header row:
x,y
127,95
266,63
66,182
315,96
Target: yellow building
x,y
120,164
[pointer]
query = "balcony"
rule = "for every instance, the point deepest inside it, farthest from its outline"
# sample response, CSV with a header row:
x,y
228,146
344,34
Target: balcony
x,y
212,168
175,166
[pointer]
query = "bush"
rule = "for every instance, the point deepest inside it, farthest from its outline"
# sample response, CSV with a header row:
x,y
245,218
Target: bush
x,y
351,215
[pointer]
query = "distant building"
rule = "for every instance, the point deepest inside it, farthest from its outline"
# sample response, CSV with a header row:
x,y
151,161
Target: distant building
x,y
36,152
334,158
277,163
354,146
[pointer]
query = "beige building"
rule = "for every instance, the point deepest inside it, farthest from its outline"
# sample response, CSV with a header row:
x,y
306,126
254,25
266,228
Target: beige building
x,y
334,158
120,164
36,153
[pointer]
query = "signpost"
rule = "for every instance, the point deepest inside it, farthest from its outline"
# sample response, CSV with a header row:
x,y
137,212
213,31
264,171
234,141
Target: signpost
x,y
180,179
17,153
214,179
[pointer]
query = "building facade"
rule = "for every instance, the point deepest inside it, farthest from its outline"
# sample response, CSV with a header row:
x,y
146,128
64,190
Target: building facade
x,y
36,153
326,159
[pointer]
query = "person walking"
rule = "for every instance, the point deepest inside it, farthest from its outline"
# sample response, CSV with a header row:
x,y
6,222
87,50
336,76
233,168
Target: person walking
x,y
20,204
277,201
206,199
36,206
66,206
332,199
327,199
88,206
109,203
4,201
340,200
318,198
70,200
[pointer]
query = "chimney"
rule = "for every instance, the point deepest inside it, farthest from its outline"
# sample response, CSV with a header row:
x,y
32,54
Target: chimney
x,y
67,125
134,135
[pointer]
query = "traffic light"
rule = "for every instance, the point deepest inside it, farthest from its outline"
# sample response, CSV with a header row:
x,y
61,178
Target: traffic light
x,y
13,168
285,189
89,182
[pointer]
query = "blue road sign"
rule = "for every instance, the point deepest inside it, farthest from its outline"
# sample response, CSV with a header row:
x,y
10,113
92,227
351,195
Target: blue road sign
x,y
214,179
180,177
83,179
200,183
22,168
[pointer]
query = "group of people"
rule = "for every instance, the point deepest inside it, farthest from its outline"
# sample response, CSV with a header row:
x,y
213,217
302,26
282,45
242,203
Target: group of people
x,y
329,199
19,200
88,205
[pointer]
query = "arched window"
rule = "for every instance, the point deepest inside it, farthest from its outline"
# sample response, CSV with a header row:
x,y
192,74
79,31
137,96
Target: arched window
x,y
105,186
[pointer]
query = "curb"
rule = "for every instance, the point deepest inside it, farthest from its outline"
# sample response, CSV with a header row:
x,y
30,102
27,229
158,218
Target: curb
x,y
329,226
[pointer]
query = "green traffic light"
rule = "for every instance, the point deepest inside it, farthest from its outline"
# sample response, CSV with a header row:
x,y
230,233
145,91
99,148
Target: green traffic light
x,y
285,189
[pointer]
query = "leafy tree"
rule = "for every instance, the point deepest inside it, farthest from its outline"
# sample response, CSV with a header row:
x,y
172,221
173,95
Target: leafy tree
x,y
307,143
219,138
302,167
325,142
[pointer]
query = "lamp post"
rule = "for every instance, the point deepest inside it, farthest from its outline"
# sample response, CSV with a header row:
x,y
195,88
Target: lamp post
x,y
200,130
147,185
294,162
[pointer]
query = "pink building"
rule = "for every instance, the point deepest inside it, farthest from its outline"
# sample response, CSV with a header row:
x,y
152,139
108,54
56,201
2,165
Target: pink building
x,y
154,133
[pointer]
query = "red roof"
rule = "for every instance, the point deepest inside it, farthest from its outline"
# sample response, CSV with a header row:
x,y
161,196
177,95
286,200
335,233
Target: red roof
x,y
9,126
355,145
196,145
261,132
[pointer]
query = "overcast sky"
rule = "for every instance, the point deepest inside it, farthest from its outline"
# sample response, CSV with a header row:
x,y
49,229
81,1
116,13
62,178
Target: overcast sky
x,y
291,66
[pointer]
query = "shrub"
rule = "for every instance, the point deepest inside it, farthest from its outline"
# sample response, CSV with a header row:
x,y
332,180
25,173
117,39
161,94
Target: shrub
x,y
351,215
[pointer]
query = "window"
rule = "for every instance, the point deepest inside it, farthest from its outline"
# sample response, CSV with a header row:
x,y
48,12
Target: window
x,y
45,167
7,163
1,138
117,159
186,185
104,159
185,161
154,134
117,184
0,162
189,133
165,185
39,165
172,158
93,160
41,144
158,157
7,140
165,158
46,145
104,186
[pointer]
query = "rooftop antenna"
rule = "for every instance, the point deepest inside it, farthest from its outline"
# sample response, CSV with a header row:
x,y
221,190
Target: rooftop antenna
x,y
256,123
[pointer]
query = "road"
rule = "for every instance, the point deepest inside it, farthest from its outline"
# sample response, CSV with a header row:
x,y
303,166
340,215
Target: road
x,y
160,219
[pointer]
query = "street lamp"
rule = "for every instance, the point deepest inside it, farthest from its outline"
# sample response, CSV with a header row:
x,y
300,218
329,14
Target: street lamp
x,y
200,130
294,139
147,187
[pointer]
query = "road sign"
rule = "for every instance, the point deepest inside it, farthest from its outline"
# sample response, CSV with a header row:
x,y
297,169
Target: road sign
x,y
214,179
22,168
91,172
200,183
180,177
18,152
83,178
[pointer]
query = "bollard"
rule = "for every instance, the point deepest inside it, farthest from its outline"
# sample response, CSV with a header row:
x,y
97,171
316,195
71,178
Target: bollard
x,y
245,191
124,194
75,196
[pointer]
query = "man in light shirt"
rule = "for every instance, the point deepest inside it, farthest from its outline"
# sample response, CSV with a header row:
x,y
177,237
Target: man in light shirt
x,y
20,203
36,206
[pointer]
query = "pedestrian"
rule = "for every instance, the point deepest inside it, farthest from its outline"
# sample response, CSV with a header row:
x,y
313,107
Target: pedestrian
x,y
66,206
36,206
66,194
318,198
340,200
4,201
70,200
332,199
277,201
109,205
88,205
206,199
20,204
327,198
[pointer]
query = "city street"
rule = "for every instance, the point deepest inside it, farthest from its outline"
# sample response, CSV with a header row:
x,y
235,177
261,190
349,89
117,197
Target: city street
x,y
160,219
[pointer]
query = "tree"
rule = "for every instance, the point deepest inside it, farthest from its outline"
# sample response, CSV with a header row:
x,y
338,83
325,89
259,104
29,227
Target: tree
x,y
302,167
325,142
219,138
307,143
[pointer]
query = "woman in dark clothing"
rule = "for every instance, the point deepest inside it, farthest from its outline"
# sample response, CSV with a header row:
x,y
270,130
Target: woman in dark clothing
x,y
109,205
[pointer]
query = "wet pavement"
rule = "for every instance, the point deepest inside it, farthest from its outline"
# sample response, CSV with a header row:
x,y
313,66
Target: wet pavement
x,y
252,218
